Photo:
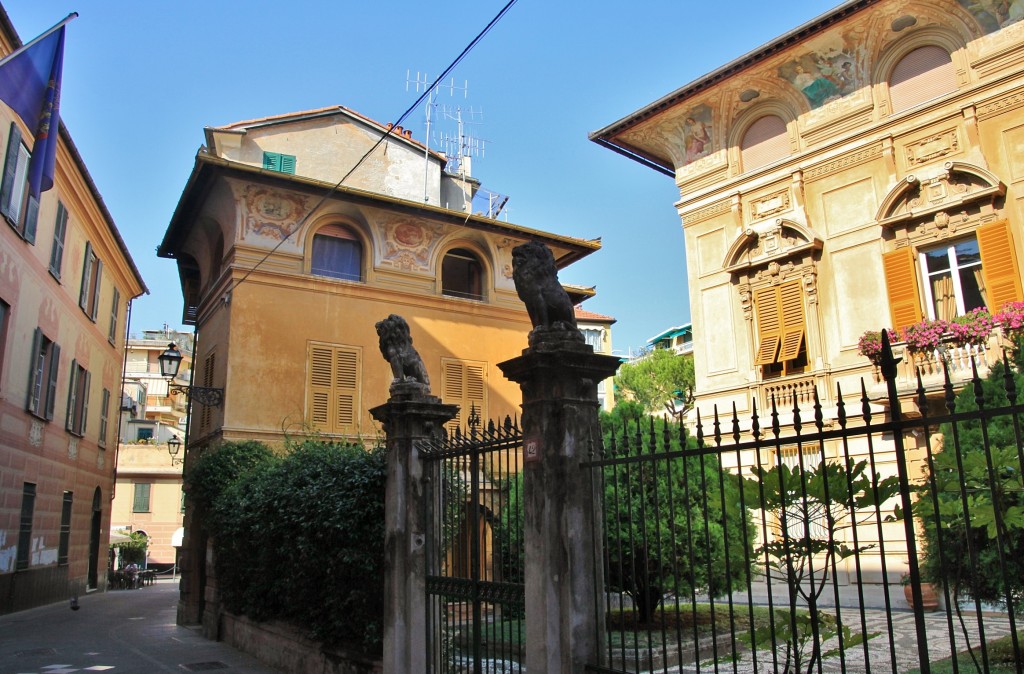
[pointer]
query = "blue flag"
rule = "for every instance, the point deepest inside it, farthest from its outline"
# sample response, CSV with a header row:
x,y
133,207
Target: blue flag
x,y
30,85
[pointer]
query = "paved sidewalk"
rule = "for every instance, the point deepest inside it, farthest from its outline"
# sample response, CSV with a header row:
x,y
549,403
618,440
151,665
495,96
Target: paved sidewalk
x,y
120,632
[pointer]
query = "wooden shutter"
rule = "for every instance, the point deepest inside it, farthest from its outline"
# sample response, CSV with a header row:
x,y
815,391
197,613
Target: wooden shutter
x,y
333,393
36,375
791,305
464,383
765,141
272,161
921,75
83,294
83,422
769,325
60,227
7,191
901,280
69,421
31,219
94,294
346,384
999,265
115,307
287,163
207,416
51,394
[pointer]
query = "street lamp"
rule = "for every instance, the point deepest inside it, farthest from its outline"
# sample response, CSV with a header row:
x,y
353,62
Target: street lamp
x,y
170,361
173,447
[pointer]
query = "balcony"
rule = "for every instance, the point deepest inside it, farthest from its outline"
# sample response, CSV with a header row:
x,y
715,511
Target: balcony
x,y
958,360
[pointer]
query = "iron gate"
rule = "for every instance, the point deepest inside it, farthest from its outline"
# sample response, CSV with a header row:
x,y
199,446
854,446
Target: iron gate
x,y
475,595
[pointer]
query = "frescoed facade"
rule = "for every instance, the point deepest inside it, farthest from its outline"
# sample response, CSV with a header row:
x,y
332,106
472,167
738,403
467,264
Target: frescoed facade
x,y
870,175
285,274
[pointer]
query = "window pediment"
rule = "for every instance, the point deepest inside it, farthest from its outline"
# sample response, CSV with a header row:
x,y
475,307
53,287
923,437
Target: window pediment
x,y
768,242
954,187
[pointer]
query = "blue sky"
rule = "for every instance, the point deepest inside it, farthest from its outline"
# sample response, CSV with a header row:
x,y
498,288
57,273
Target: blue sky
x,y
142,79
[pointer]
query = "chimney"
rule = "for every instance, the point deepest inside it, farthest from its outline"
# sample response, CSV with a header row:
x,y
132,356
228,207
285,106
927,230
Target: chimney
x,y
408,133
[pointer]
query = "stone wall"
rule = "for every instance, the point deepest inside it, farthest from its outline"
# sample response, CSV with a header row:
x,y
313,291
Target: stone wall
x,y
283,647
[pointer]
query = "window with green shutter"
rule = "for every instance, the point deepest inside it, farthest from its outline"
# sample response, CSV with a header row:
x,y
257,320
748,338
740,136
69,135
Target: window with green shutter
x,y
275,161
140,504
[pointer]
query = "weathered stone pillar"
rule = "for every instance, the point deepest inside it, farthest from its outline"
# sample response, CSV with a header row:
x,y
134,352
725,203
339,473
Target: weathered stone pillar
x,y
562,529
410,415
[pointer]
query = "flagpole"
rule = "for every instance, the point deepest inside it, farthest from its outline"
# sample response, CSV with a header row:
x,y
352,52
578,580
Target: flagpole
x,y
69,17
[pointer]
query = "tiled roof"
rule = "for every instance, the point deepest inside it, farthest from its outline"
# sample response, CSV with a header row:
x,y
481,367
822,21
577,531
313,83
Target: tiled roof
x,y
584,315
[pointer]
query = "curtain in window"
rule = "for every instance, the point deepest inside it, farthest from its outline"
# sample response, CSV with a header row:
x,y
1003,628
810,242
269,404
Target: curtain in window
x,y
944,297
336,258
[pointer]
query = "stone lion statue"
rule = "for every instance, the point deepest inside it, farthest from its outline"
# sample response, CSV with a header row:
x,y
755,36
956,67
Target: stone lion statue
x,y
536,280
396,347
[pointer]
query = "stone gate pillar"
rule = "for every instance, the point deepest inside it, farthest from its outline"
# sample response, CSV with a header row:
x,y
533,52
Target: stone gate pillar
x,y
411,414
564,575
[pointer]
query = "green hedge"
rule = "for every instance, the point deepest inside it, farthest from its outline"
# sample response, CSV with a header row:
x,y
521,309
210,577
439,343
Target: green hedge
x,y
298,537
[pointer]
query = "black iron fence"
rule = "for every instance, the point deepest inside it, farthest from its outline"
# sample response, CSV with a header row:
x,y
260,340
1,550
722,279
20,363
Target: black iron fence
x,y
843,536
475,551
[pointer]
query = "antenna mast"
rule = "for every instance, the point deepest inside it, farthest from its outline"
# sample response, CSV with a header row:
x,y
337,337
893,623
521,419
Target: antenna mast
x,y
419,85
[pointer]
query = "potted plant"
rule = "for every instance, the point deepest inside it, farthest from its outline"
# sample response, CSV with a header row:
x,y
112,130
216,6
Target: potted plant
x,y
929,595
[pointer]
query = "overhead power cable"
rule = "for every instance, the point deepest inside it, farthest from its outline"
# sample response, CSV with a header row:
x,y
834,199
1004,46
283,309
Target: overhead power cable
x,y
390,131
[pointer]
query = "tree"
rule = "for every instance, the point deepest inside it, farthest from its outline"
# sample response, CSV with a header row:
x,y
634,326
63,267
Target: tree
x,y
658,379
671,524
978,551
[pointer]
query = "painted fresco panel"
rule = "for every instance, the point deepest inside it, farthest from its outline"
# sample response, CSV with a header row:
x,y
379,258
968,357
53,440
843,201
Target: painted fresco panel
x,y
832,68
994,14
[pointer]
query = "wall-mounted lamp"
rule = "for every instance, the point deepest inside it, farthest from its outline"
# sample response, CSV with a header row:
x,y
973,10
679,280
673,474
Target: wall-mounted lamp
x,y
173,447
170,361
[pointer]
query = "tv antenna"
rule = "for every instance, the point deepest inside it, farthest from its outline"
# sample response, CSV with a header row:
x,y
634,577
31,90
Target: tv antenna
x,y
421,83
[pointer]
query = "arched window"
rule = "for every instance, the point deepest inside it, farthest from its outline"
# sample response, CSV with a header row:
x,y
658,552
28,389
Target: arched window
x,y
923,74
337,253
462,275
765,141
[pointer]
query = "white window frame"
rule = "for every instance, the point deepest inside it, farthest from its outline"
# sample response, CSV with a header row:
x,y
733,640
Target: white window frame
x,y
954,272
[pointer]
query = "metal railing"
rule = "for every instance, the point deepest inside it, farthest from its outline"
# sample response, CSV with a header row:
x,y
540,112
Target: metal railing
x,y
812,546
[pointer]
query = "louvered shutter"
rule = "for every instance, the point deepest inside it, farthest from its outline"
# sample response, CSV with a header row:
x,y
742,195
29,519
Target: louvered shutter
x,y
86,386
69,420
321,365
207,416
51,394
901,282
31,219
7,191
94,294
272,161
333,392
921,75
346,384
453,389
765,141
464,383
791,306
83,294
59,231
999,265
37,378
287,163
769,325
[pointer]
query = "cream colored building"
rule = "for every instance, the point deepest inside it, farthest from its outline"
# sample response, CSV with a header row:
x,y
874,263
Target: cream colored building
x,y
294,236
148,498
66,282
863,171
597,331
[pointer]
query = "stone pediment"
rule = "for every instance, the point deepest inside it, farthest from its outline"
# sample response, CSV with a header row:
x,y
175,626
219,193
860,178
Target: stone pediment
x,y
771,241
955,187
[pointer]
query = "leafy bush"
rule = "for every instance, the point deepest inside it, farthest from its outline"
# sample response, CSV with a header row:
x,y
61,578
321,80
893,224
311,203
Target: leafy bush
x,y
300,538
653,548
994,496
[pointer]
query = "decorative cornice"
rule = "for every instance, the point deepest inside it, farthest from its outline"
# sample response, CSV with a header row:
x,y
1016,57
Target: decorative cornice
x,y
843,162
